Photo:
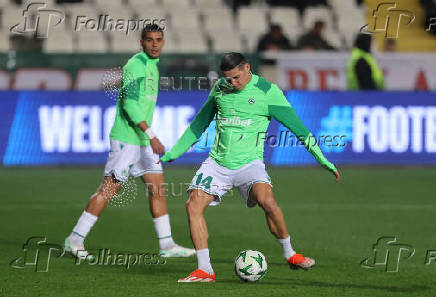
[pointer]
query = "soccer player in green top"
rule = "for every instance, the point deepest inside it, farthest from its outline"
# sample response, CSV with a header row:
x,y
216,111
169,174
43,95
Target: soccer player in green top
x,y
134,149
243,104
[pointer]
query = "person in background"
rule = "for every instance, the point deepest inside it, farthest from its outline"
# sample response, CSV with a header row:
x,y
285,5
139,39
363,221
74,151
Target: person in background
x,y
390,45
313,39
363,73
274,40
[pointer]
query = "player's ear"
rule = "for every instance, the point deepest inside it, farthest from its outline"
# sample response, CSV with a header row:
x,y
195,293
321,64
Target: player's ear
x,y
247,67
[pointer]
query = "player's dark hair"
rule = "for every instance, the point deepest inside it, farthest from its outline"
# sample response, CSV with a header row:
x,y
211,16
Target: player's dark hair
x,y
150,28
232,60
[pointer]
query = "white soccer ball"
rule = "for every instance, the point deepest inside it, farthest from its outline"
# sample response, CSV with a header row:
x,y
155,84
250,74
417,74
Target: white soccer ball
x,y
250,265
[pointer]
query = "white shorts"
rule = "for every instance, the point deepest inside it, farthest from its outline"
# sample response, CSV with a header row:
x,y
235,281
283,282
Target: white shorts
x,y
127,159
216,180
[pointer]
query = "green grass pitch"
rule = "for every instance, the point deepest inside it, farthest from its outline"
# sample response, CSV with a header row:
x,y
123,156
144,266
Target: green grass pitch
x,y
336,224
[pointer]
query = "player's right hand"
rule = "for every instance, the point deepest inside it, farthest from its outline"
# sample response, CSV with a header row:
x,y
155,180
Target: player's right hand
x,y
157,146
338,176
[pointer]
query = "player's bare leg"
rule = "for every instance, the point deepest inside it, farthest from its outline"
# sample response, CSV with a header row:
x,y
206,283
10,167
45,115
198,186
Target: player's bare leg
x,y
107,190
264,195
195,206
156,194
74,243
156,187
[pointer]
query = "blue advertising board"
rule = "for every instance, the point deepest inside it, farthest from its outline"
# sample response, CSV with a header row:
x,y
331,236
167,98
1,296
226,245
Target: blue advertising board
x,y
72,127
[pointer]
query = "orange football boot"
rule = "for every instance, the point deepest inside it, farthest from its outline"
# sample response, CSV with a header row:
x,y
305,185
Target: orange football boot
x,y
198,276
298,261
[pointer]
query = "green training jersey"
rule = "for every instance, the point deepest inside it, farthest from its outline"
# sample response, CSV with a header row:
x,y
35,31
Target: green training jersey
x,y
242,119
136,99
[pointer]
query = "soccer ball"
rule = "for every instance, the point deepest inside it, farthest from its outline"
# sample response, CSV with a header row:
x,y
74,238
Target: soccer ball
x,y
250,265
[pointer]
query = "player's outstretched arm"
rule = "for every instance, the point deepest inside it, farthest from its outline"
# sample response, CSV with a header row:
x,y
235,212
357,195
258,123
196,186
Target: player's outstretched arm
x,y
280,109
287,116
194,131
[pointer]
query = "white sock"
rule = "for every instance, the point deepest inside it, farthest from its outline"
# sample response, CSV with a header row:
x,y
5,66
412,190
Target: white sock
x,y
82,228
204,261
163,231
288,251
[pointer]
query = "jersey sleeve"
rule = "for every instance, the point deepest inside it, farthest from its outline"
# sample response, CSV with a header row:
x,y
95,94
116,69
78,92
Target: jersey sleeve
x,y
280,109
132,84
195,129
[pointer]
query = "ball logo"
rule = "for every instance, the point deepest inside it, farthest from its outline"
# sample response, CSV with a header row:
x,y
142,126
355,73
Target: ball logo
x,y
251,100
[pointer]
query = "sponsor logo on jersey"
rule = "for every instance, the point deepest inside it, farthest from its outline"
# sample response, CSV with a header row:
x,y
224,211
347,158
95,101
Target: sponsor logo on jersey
x,y
236,121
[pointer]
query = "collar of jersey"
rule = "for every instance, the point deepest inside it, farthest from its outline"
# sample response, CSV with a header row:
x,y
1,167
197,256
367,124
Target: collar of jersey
x,y
151,60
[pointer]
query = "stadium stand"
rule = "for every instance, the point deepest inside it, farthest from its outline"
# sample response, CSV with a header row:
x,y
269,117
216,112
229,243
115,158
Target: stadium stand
x,y
91,42
59,41
176,4
4,41
211,4
288,19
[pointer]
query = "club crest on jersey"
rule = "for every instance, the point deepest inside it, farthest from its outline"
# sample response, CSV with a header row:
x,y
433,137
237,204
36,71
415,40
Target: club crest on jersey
x,y
251,100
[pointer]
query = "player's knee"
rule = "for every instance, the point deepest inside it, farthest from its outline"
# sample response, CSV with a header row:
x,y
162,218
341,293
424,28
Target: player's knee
x,y
267,202
108,189
157,193
193,205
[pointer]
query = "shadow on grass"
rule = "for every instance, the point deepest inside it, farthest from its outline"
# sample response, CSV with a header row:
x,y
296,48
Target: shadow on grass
x,y
295,283
410,289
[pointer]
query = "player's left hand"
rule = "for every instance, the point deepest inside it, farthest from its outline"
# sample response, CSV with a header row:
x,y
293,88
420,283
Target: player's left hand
x,y
160,161
157,146
338,176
